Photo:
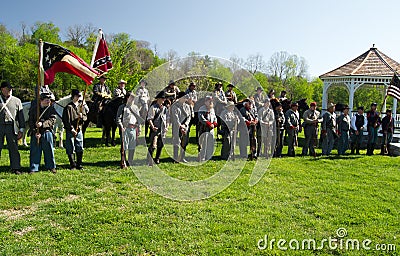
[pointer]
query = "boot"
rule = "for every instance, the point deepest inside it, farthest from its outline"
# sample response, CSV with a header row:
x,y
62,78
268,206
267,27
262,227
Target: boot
x,y
368,149
72,164
158,154
352,149
383,149
79,156
372,148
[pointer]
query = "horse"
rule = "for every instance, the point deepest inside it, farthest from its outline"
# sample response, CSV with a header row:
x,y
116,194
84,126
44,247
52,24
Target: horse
x,y
109,113
58,126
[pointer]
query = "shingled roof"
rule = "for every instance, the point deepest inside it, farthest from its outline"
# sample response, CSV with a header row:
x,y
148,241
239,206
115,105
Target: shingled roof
x,y
370,63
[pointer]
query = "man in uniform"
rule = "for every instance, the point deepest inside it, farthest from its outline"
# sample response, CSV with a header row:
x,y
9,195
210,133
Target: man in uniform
x,y
171,91
358,124
101,92
282,97
230,94
250,116
259,97
157,118
280,129
12,125
312,118
143,97
373,120
229,124
266,129
41,130
73,117
343,127
328,131
292,124
120,91
129,120
180,119
207,123
387,130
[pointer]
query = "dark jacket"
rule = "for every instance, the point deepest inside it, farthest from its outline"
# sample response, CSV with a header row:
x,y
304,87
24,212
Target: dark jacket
x,y
71,115
47,115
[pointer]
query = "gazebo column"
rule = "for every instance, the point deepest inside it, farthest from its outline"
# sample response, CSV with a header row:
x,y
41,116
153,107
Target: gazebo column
x,y
352,90
325,96
394,108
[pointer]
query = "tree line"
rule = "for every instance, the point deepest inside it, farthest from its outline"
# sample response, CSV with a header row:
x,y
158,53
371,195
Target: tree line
x,y
133,59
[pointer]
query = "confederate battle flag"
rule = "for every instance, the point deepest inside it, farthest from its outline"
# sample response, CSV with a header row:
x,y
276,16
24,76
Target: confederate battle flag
x,y
55,58
101,59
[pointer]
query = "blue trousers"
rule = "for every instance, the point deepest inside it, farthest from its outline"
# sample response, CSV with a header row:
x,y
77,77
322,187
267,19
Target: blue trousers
x,y
372,135
328,142
73,144
343,142
45,145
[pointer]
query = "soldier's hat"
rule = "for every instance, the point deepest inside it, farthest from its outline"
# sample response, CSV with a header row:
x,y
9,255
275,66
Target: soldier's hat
x,y
230,85
218,84
45,95
192,84
294,104
278,104
122,81
374,104
103,76
259,88
346,107
360,108
208,97
6,84
160,95
171,82
143,81
388,110
330,105
313,104
75,92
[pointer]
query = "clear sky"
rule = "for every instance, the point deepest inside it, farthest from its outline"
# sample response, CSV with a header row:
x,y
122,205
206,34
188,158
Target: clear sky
x,y
326,33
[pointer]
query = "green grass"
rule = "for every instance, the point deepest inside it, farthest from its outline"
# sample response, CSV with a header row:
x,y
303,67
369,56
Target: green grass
x,y
104,210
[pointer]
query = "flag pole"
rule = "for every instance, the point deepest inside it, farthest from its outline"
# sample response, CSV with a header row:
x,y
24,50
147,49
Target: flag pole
x,y
91,64
39,84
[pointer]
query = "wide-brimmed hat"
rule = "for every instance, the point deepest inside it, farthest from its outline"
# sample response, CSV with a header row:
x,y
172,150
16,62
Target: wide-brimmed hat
x,y
45,95
230,85
360,108
374,104
6,84
330,105
313,104
171,82
346,107
75,92
192,84
294,104
122,81
103,76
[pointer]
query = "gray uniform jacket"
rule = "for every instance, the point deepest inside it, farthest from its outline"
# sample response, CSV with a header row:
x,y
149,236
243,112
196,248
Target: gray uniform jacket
x,y
180,114
11,112
291,119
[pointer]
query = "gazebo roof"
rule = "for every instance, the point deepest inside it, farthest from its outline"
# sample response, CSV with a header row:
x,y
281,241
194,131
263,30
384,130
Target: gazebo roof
x,y
372,63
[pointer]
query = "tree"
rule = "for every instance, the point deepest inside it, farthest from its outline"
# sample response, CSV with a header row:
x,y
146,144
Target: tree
x,y
77,34
255,63
284,66
46,31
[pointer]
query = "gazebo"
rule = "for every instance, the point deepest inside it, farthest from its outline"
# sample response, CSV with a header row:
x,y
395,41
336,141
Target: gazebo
x,y
370,68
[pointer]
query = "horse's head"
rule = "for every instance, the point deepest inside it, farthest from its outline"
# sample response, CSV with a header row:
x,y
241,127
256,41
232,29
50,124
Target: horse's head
x,y
303,104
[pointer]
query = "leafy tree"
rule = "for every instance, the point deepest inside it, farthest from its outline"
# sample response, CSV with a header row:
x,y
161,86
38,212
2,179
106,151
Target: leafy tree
x,y
46,31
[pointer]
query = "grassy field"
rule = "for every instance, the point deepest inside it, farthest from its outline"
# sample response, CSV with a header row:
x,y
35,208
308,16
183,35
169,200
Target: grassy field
x,y
103,210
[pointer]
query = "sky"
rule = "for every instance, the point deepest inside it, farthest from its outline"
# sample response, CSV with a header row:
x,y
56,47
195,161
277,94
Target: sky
x,y
327,34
